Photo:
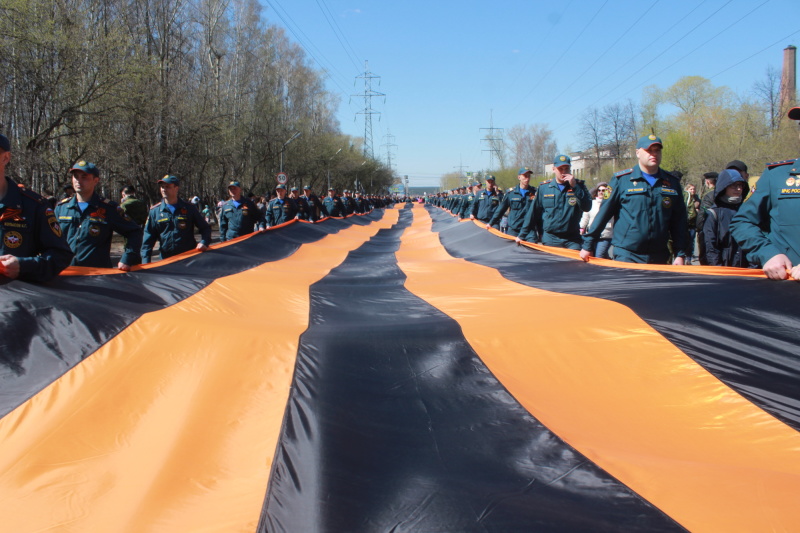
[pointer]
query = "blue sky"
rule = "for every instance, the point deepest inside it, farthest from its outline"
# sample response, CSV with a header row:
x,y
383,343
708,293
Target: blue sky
x,y
446,67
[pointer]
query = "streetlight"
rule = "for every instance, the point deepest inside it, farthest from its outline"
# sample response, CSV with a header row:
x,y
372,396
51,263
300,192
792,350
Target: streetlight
x,y
295,136
329,166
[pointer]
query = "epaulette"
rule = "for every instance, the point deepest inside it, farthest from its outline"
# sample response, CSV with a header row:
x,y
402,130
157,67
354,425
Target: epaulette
x,y
623,172
65,200
109,202
30,194
780,163
545,182
157,205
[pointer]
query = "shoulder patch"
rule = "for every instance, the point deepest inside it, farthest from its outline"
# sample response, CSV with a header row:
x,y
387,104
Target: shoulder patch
x,y
30,194
623,172
780,163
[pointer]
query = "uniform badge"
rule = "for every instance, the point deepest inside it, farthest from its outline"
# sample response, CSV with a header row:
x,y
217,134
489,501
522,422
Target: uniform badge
x,y
666,201
181,224
100,213
94,230
573,201
12,239
54,226
790,182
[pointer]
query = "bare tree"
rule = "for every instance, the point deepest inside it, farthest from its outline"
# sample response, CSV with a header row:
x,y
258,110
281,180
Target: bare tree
x,y
767,90
593,136
531,146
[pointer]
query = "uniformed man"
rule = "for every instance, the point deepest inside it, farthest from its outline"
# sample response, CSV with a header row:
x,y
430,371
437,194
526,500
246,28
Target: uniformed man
x,y
487,201
555,216
516,202
465,211
239,216
332,205
32,247
172,222
89,221
281,209
362,205
348,203
312,206
647,205
767,225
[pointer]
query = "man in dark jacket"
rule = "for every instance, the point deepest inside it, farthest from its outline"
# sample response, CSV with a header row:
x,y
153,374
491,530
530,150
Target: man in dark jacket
x,y
172,222
648,209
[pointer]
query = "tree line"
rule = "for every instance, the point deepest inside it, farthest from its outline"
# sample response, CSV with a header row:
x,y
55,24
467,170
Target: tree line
x,y
202,89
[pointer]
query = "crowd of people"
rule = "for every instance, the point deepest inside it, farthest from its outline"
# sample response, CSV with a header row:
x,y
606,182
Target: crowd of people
x,y
642,215
40,237
646,215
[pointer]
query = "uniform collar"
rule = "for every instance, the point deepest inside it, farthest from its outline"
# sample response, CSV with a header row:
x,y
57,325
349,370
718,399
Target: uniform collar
x,y
13,197
164,205
94,201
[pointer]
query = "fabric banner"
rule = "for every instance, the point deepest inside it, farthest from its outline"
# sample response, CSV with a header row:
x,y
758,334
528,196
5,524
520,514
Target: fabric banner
x,y
398,371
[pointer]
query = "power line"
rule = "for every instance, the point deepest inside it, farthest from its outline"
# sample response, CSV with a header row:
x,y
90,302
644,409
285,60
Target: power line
x,y
368,111
300,41
556,62
754,55
601,56
337,30
493,140
681,59
649,61
543,40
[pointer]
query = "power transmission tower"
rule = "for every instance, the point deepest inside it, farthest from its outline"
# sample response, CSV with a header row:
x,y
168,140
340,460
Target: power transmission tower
x,y
367,95
494,136
461,174
389,144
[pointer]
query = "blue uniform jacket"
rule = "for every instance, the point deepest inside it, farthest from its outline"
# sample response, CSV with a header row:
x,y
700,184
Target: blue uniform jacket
x,y
484,206
280,211
558,212
89,232
465,210
310,207
647,217
30,232
768,223
174,231
332,206
349,205
237,221
517,202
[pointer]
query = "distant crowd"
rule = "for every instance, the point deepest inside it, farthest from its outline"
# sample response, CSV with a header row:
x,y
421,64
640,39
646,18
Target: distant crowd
x,y
41,236
646,215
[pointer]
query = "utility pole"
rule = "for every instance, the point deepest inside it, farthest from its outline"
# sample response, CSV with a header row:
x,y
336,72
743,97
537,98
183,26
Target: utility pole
x,y
329,166
494,136
295,136
389,144
368,111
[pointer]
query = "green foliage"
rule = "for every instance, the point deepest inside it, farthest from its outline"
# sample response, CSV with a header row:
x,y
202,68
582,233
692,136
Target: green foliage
x,y
678,155
198,88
